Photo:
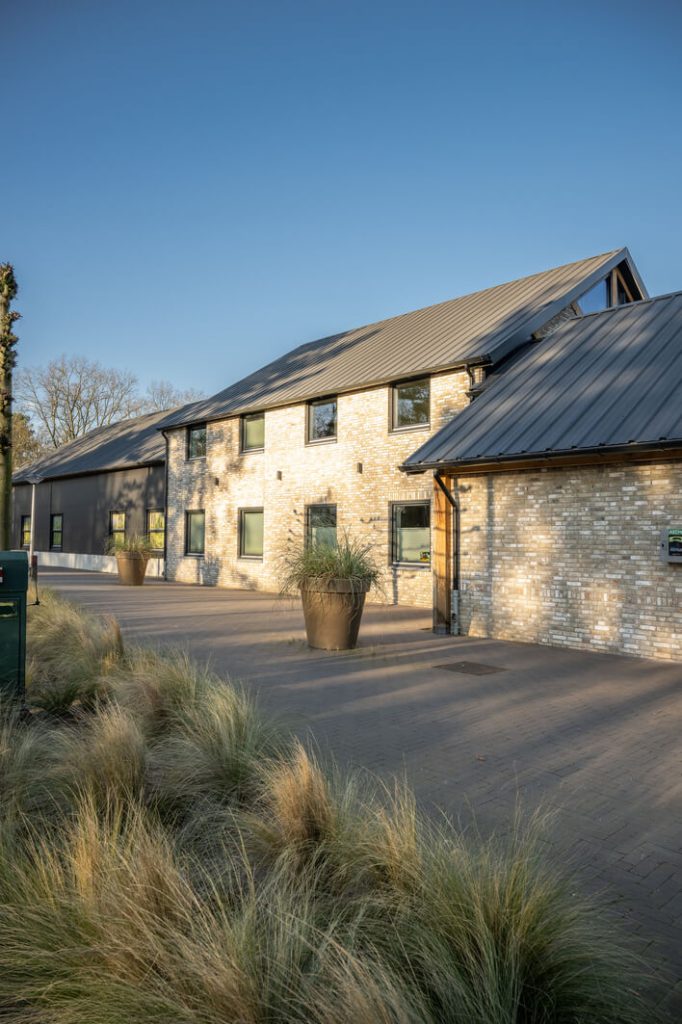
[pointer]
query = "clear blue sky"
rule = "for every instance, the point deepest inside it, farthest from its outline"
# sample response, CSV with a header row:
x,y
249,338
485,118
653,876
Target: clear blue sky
x,y
190,189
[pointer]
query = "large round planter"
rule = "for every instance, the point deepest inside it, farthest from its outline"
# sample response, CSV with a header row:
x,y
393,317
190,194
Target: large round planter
x,y
132,566
332,610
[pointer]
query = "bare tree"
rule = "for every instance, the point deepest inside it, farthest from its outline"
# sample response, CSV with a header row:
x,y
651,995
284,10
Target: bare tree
x,y
72,395
161,394
8,358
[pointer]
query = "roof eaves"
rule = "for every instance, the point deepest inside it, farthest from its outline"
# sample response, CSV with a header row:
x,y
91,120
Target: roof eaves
x,y
492,462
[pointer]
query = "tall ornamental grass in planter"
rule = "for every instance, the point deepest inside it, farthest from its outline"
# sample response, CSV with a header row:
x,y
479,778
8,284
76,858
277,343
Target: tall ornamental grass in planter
x,y
132,555
333,581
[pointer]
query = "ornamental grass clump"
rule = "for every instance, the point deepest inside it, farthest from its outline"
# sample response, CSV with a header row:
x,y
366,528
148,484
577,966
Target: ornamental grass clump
x,y
349,560
69,654
169,854
130,543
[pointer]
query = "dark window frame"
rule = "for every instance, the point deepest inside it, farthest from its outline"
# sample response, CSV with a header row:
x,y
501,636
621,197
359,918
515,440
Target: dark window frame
x,y
240,535
60,531
192,429
309,420
243,450
112,532
393,399
394,506
155,551
316,505
194,512
22,527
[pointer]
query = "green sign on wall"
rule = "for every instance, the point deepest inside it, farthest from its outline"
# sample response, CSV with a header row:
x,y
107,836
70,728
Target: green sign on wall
x,y
671,544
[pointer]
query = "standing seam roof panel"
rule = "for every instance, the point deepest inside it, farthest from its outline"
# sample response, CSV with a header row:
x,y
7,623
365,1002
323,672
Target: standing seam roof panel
x,y
611,378
426,341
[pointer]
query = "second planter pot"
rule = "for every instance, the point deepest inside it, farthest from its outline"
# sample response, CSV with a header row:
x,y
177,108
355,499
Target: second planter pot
x,y
132,566
332,610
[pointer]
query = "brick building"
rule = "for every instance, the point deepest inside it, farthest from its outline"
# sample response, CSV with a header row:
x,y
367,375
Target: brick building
x,y
559,490
314,442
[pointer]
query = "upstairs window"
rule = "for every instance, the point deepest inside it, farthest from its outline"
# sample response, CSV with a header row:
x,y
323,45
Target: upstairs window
x,y
251,533
156,528
117,527
56,531
321,524
196,441
410,404
412,533
253,432
25,531
195,532
597,298
322,420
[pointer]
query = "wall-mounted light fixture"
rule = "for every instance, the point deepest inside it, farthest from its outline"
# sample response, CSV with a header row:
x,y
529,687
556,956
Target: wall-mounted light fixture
x,y
359,467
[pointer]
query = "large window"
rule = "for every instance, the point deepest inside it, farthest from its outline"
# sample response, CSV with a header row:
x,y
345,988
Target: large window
x,y
56,531
253,432
597,298
321,524
195,532
196,441
412,533
251,533
410,404
156,528
322,420
25,531
117,527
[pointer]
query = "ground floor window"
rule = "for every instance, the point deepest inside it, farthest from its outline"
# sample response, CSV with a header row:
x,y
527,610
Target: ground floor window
x,y
321,524
117,528
251,533
195,532
412,533
156,529
56,531
25,531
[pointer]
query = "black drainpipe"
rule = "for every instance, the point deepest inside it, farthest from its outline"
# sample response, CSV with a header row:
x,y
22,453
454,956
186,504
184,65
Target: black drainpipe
x,y
454,502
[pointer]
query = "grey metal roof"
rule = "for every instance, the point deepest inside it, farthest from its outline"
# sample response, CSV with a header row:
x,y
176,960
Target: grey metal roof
x,y
480,327
604,383
123,445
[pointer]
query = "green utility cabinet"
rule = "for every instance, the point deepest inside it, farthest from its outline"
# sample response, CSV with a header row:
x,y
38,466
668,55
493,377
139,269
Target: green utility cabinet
x,y
13,591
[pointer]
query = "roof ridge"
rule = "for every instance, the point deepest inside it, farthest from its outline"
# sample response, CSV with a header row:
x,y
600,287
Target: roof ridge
x,y
465,295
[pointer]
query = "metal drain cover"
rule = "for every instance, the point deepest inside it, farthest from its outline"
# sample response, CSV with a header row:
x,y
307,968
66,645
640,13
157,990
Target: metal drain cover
x,y
470,668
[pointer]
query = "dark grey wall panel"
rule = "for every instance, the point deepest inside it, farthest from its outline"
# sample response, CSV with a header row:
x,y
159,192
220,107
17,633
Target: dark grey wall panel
x,y
85,503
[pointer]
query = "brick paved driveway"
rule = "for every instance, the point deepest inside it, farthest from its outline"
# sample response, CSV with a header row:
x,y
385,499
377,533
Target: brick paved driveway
x,y
595,737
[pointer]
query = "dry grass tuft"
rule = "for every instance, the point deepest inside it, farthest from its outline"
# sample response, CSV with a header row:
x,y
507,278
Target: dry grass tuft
x,y
70,653
170,855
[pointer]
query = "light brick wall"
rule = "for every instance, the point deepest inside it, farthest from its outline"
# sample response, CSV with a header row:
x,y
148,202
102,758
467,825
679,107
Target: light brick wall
x,y
323,473
571,557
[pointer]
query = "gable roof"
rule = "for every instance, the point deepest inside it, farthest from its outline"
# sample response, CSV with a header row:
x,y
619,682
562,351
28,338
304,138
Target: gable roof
x,y
123,445
605,383
478,328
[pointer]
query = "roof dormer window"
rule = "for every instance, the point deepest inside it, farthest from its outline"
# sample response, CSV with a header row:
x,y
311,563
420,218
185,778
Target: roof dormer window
x,y
597,298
